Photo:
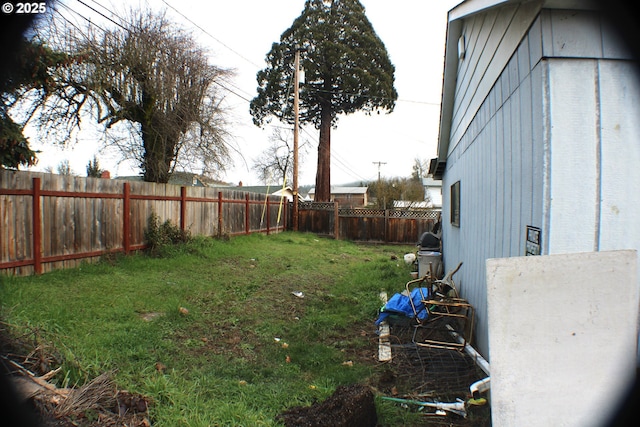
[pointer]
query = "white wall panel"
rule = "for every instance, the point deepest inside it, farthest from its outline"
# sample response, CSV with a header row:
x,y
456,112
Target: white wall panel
x,y
620,156
561,354
574,141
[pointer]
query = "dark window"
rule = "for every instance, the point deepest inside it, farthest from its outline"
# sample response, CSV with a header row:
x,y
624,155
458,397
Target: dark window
x,y
455,204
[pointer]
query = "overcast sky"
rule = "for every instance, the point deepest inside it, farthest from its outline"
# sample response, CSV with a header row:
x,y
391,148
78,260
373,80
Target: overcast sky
x,y
239,33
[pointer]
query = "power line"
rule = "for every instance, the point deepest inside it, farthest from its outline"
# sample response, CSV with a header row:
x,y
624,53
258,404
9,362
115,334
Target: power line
x,y
379,164
75,12
102,14
209,34
339,162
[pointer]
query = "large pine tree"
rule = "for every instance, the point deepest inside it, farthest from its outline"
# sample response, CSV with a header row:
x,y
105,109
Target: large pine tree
x,y
347,69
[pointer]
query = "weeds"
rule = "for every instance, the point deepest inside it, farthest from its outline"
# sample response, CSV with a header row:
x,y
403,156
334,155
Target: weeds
x,y
159,236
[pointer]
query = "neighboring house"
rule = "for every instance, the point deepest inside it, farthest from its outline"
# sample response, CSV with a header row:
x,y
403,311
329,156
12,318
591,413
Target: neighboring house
x,y
183,179
539,132
432,192
274,191
347,197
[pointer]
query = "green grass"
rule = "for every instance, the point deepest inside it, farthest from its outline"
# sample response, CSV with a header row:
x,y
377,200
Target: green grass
x,y
226,362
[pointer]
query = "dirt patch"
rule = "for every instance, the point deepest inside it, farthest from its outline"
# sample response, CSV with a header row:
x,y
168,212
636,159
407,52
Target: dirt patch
x,y
348,406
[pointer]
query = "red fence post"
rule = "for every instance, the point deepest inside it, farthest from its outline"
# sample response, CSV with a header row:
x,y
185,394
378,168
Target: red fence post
x,y
126,218
37,227
219,213
246,215
183,206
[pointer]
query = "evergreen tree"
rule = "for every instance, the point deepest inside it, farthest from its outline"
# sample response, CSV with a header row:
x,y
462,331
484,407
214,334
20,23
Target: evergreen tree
x,y
93,168
347,69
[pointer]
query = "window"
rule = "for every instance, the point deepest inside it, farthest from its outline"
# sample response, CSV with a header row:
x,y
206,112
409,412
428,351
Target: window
x,y
455,204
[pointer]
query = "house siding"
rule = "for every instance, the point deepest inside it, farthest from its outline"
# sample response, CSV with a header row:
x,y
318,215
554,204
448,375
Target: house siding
x,y
547,145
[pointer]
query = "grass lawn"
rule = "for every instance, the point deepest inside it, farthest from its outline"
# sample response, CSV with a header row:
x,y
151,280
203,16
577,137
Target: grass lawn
x,y
211,331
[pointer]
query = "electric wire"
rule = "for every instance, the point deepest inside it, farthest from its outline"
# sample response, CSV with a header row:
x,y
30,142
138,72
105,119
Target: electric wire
x,y
209,34
103,15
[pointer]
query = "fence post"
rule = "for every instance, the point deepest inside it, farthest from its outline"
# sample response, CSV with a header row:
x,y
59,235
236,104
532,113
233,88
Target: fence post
x,y
246,215
183,207
268,216
386,225
285,219
219,213
126,220
37,227
336,219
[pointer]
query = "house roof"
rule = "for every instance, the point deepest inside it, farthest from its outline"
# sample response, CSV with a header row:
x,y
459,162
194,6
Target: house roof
x,y
274,190
455,19
344,190
181,178
430,182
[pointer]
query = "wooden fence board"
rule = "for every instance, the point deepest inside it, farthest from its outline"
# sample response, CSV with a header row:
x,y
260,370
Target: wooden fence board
x,y
368,225
81,219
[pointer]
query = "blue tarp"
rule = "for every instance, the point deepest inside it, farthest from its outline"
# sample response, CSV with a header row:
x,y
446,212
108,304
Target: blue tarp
x,y
401,304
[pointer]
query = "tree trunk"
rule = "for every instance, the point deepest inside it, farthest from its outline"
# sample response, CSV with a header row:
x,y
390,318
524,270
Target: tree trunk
x,y
323,175
157,161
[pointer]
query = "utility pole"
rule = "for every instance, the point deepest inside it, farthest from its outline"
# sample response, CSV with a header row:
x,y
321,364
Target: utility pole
x,y
379,164
296,101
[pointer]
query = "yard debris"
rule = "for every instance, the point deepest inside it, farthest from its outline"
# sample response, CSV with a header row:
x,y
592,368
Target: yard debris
x,y
348,363
429,371
405,304
298,294
183,311
99,399
409,258
458,407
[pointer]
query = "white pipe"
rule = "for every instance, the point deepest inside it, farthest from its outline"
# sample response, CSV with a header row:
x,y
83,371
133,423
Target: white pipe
x,y
482,363
480,386
457,407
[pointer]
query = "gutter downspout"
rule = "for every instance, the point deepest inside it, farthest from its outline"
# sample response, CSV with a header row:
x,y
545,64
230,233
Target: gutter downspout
x,y
484,384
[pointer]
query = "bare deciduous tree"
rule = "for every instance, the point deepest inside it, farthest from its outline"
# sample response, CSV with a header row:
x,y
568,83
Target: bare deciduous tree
x,y
275,164
150,78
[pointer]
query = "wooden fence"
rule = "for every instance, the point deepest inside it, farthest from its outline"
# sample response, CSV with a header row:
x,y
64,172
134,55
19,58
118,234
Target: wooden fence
x,y
366,225
49,222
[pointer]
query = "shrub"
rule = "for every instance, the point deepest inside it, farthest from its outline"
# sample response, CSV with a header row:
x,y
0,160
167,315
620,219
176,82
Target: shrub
x,y
160,235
